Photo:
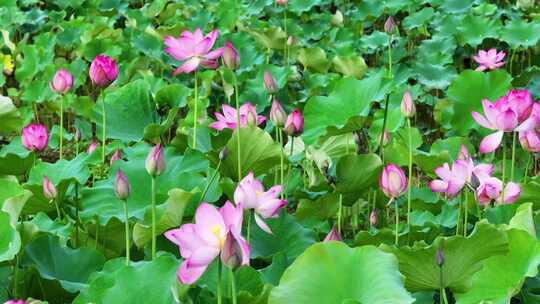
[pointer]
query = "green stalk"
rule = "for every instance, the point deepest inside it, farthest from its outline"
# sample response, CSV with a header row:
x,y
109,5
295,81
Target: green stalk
x,y
458,218
442,293
210,182
466,220
381,150
527,169
340,210
513,155
281,161
397,222
410,178
195,112
58,214
126,216
390,56
286,36
503,169
103,130
250,213
61,127
239,155
219,282
233,286
76,147
153,217
77,222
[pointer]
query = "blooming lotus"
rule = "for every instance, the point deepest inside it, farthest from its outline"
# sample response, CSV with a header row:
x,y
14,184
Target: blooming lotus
x,y
503,116
214,232
451,179
35,137
490,60
227,120
393,181
103,70
194,49
490,189
251,195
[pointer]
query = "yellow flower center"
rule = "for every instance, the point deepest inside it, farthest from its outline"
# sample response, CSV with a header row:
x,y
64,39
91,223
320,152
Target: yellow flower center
x,y
216,230
258,193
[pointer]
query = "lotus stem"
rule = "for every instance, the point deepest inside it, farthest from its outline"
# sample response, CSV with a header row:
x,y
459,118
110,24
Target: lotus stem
x,y
195,111
238,138
390,56
126,217
503,170
218,287
410,178
61,127
153,217
77,223
397,222
458,218
381,150
513,155
527,169
466,219
248,228
203,196
340,210
281,161
58,214
233,286
103,130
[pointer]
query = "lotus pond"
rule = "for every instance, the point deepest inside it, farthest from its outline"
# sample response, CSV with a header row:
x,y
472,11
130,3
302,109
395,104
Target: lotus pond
x,y
269,151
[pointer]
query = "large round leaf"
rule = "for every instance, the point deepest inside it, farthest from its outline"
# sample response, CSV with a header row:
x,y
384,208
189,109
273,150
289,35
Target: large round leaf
x,y
348,171
139,283
10,241
334,273
71,267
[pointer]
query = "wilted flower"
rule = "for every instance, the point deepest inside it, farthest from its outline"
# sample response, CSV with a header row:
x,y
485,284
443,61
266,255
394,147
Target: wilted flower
x,y
49,190
92,147
333,235
194,49
269,82
389,25
227,120
214,232
277,114
61,82
393,181
121,186
251,195
530,140
35,137
490,60
103,70
117,155
155,161
294,126
230,56
407,105
503,116
490,189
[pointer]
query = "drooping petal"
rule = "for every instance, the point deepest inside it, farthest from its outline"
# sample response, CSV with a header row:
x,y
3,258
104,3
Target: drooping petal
x,y
438,185
262,224
203,255
189,274
481,120
189,66
491,142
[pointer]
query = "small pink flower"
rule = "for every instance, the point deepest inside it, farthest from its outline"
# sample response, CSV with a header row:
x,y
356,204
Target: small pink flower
x,y
35,137
490,189
251,195
61,82
277,114
16,302
451,180
269,82
333,235
117,155
373,217
213,232
386,137
227,120
393,181
155,161
103,70
122,188
194,49
294,126
282,2
490,60
230,56
92,147
530,140
407,105
49,190
389,25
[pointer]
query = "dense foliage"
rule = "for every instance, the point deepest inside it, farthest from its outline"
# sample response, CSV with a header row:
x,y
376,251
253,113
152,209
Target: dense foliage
x,y
302,151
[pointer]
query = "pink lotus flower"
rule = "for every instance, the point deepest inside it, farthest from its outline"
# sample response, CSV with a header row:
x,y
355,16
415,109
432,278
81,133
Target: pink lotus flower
x,y
269,82
533,121
333,235
373,217
35,137
294,126
389,25
451,180
282,2
230,56
117,155
407,105
250,194
15,302
121,185
214,232
503,116
92,147
227,120
61,82
155,161
479,171
490,60
194,50
530,140
393,181
49,190
490,189
277,114
103,70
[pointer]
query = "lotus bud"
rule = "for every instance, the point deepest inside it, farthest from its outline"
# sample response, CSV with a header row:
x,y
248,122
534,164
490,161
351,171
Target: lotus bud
x,y
407,105
337,18
290,40
389,25
230,56
439,257
251,116
35,137
373,217
294,126
282,2
77,134
463,153
61,82
277,114
386,137
49,190
92,147
155,162
333,235
117,155
16,302
121,186
393,181
231,254
269,82
103,70
223,153
530,140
